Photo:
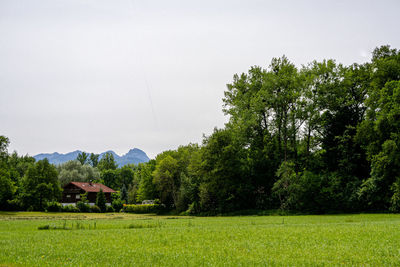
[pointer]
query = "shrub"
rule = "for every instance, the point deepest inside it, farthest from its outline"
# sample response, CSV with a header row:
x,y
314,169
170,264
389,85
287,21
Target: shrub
x,y
53,206
101,201
145,208
110,209
95,209
117,204
69,208
14,204
44,227
83,207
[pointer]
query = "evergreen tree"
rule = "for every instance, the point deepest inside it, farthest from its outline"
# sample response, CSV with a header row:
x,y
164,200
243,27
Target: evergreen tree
x,y
83,158
124,194
107,162
101,201
94,159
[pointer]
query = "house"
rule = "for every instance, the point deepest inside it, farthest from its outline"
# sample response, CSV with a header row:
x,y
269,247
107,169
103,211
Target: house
x,y
72,192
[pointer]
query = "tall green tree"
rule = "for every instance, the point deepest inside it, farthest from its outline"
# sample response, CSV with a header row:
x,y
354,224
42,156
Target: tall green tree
x,y
83,158
107,162
39,185
379,132
18,165
4,142
94,159
74,171
225,185
111,178
146,188
101,201
124,194
266,117
126,175
7,189
166,177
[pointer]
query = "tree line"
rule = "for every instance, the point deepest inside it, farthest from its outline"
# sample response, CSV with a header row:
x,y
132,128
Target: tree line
x,y
319,138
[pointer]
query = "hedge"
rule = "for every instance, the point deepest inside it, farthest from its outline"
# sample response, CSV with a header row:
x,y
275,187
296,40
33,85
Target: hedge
x,y
144,208
53,207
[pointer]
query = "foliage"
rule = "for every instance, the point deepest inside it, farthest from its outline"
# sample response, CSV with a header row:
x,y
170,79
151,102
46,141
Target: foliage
x,y
4,142
145,208
94,159
53,206
73,171
318,139
124,194
125,176
110,209
39,185
83,158
132,192
117,205
69,208
83,204
101,200
225,186
96,209
110,178
175,178
287,186
166,177
7,189
18,165
107,162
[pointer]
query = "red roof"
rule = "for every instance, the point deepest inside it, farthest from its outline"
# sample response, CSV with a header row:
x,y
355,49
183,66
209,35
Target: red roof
x,y
92,187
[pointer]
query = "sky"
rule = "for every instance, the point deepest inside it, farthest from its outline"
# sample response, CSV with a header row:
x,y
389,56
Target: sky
x,y
114,75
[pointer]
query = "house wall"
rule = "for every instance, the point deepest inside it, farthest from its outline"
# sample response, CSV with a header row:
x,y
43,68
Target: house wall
x,y
72,194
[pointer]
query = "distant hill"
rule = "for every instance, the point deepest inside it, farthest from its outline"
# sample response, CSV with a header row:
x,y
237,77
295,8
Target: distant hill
x,y
133,156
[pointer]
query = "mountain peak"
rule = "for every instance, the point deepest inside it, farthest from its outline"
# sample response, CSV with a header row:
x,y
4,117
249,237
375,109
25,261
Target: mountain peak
x,y
135,151
134,156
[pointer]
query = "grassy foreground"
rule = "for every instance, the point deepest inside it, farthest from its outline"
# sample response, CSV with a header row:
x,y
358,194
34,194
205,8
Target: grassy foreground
x,y
146,240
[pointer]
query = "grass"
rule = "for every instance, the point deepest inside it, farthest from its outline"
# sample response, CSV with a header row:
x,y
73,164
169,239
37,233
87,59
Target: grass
x,y
149,240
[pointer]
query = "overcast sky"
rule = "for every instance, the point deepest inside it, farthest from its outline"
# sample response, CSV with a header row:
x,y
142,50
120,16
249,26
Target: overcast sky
x,y
99,75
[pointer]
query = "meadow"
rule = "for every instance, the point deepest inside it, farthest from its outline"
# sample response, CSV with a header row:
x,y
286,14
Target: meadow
x,y
115,239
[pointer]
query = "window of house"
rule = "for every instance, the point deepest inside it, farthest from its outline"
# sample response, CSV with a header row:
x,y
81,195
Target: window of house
x,y
78,196
68,195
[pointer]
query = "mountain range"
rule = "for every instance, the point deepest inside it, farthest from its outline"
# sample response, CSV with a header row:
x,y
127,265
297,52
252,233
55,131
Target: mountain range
x,y
133,156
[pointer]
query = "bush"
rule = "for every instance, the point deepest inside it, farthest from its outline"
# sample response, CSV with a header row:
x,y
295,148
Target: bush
x,y
110,209
53,207
14,205
101,201
44,227
145,208
117,204
83,206
69,208
95,209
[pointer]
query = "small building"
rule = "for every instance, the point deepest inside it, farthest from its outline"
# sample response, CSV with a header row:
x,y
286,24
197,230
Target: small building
x,y
72,192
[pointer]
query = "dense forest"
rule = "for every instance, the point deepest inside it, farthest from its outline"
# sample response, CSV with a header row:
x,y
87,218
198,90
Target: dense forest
x,y
320,138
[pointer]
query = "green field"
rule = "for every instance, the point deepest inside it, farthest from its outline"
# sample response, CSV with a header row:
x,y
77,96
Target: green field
x,y
146,240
